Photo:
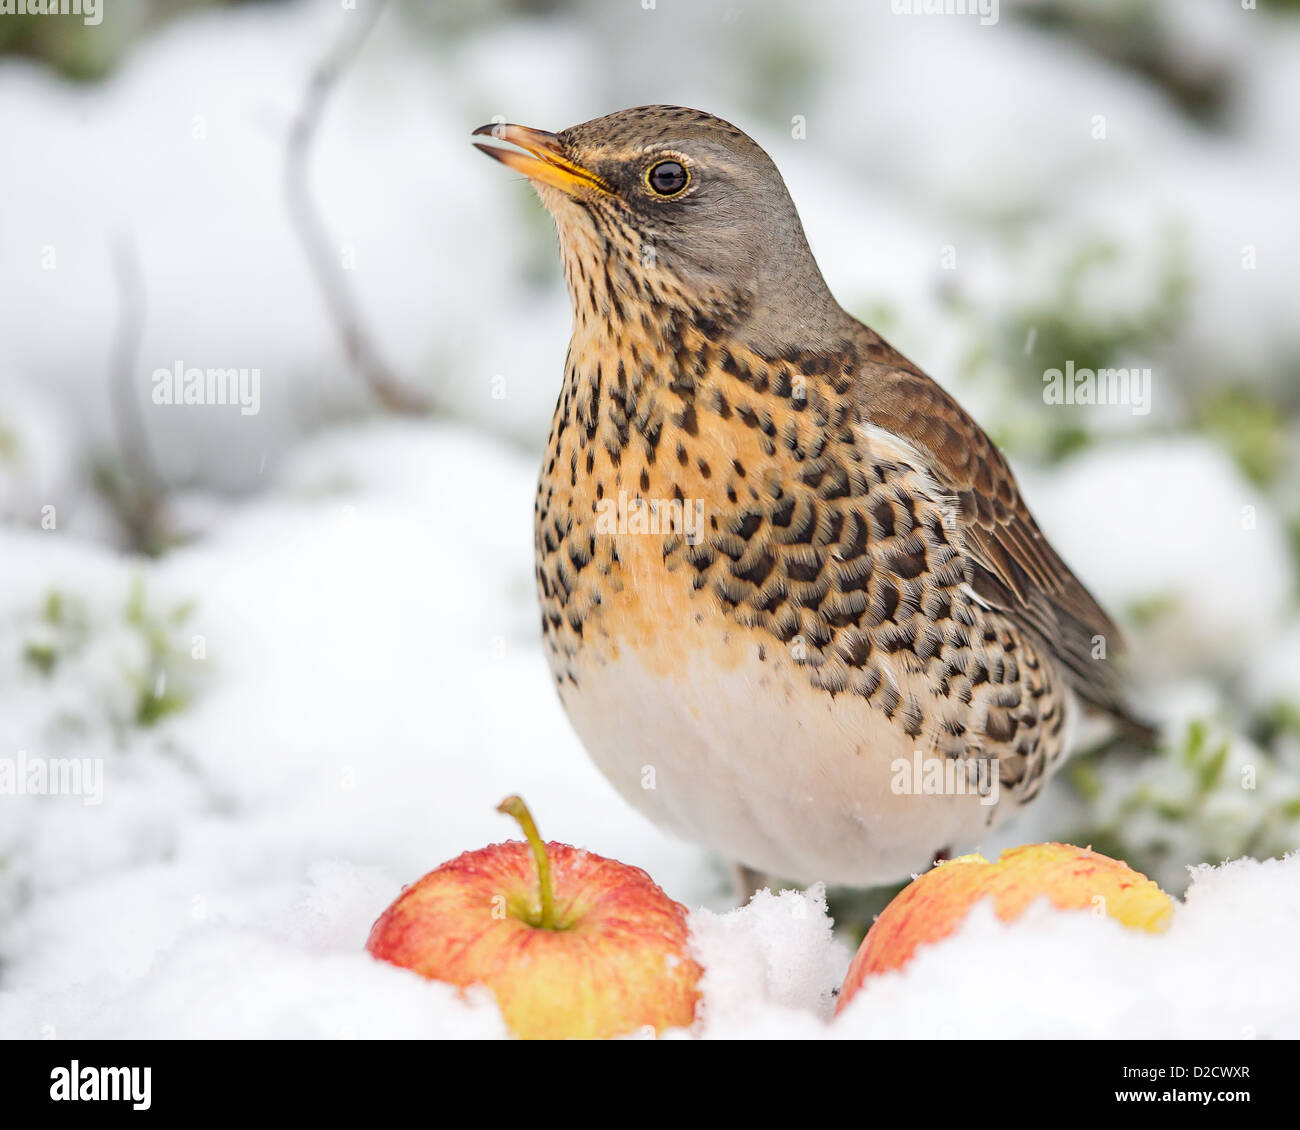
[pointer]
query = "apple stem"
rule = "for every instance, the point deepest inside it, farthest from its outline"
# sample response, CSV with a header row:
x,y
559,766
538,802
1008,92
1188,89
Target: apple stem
x,y
515,806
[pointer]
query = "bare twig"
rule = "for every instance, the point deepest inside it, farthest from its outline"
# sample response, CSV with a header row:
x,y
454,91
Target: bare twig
x,y
141,496
357,345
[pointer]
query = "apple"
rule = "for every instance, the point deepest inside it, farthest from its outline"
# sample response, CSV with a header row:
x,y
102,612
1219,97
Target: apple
x,y
573,945
933,906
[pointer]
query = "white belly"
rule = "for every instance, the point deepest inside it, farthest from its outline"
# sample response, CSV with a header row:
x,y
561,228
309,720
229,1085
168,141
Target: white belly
x,y
757,764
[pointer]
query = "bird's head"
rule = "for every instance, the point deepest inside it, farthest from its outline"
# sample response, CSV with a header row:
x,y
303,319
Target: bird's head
x,y
669,204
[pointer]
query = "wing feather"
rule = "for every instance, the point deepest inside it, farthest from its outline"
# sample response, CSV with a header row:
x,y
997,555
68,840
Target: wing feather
x,y
1014,566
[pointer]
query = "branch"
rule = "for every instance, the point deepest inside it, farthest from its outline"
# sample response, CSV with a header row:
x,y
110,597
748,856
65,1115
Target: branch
x,y
360,351
142,496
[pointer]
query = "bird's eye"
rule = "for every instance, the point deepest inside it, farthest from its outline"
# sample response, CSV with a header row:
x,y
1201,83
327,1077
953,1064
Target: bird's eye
x,y
667,178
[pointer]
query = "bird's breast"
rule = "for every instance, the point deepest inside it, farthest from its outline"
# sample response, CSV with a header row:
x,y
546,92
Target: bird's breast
x,y
700,505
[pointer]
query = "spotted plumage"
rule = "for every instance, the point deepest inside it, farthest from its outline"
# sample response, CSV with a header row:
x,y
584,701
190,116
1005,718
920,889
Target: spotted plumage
x,y
773,557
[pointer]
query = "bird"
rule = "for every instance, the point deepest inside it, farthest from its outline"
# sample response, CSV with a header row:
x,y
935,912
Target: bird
x,y
792,599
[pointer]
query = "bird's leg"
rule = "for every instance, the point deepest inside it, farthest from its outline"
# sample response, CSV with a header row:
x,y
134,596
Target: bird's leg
x,y
747,882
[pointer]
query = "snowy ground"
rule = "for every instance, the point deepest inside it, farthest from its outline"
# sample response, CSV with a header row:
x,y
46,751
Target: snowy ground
x,y
291,716
348,728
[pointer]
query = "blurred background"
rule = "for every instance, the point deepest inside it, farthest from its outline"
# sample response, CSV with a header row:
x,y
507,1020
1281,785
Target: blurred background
x,y
297,634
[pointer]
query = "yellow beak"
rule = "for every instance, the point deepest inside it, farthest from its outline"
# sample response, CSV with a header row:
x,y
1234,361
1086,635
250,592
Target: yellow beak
x,y
543,159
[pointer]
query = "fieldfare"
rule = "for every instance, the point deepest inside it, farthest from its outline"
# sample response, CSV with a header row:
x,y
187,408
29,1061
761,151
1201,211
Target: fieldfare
x,y
794,604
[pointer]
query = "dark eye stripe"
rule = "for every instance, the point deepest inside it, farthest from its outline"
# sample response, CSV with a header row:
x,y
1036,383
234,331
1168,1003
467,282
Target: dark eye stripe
x,y
667,178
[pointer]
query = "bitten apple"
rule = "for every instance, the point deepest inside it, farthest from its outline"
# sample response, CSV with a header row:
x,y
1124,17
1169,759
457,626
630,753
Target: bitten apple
x,y
571,943
934,905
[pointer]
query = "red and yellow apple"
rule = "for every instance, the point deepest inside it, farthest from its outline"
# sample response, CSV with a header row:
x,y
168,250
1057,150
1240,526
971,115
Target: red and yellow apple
x,y
932,906
573,945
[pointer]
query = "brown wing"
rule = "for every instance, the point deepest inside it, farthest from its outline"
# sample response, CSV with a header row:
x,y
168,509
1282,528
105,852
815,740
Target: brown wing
x,y
1014,567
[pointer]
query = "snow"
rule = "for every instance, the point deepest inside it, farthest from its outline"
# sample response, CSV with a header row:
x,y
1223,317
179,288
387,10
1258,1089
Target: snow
x,y
346,734
1186,519
771,967
344,655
